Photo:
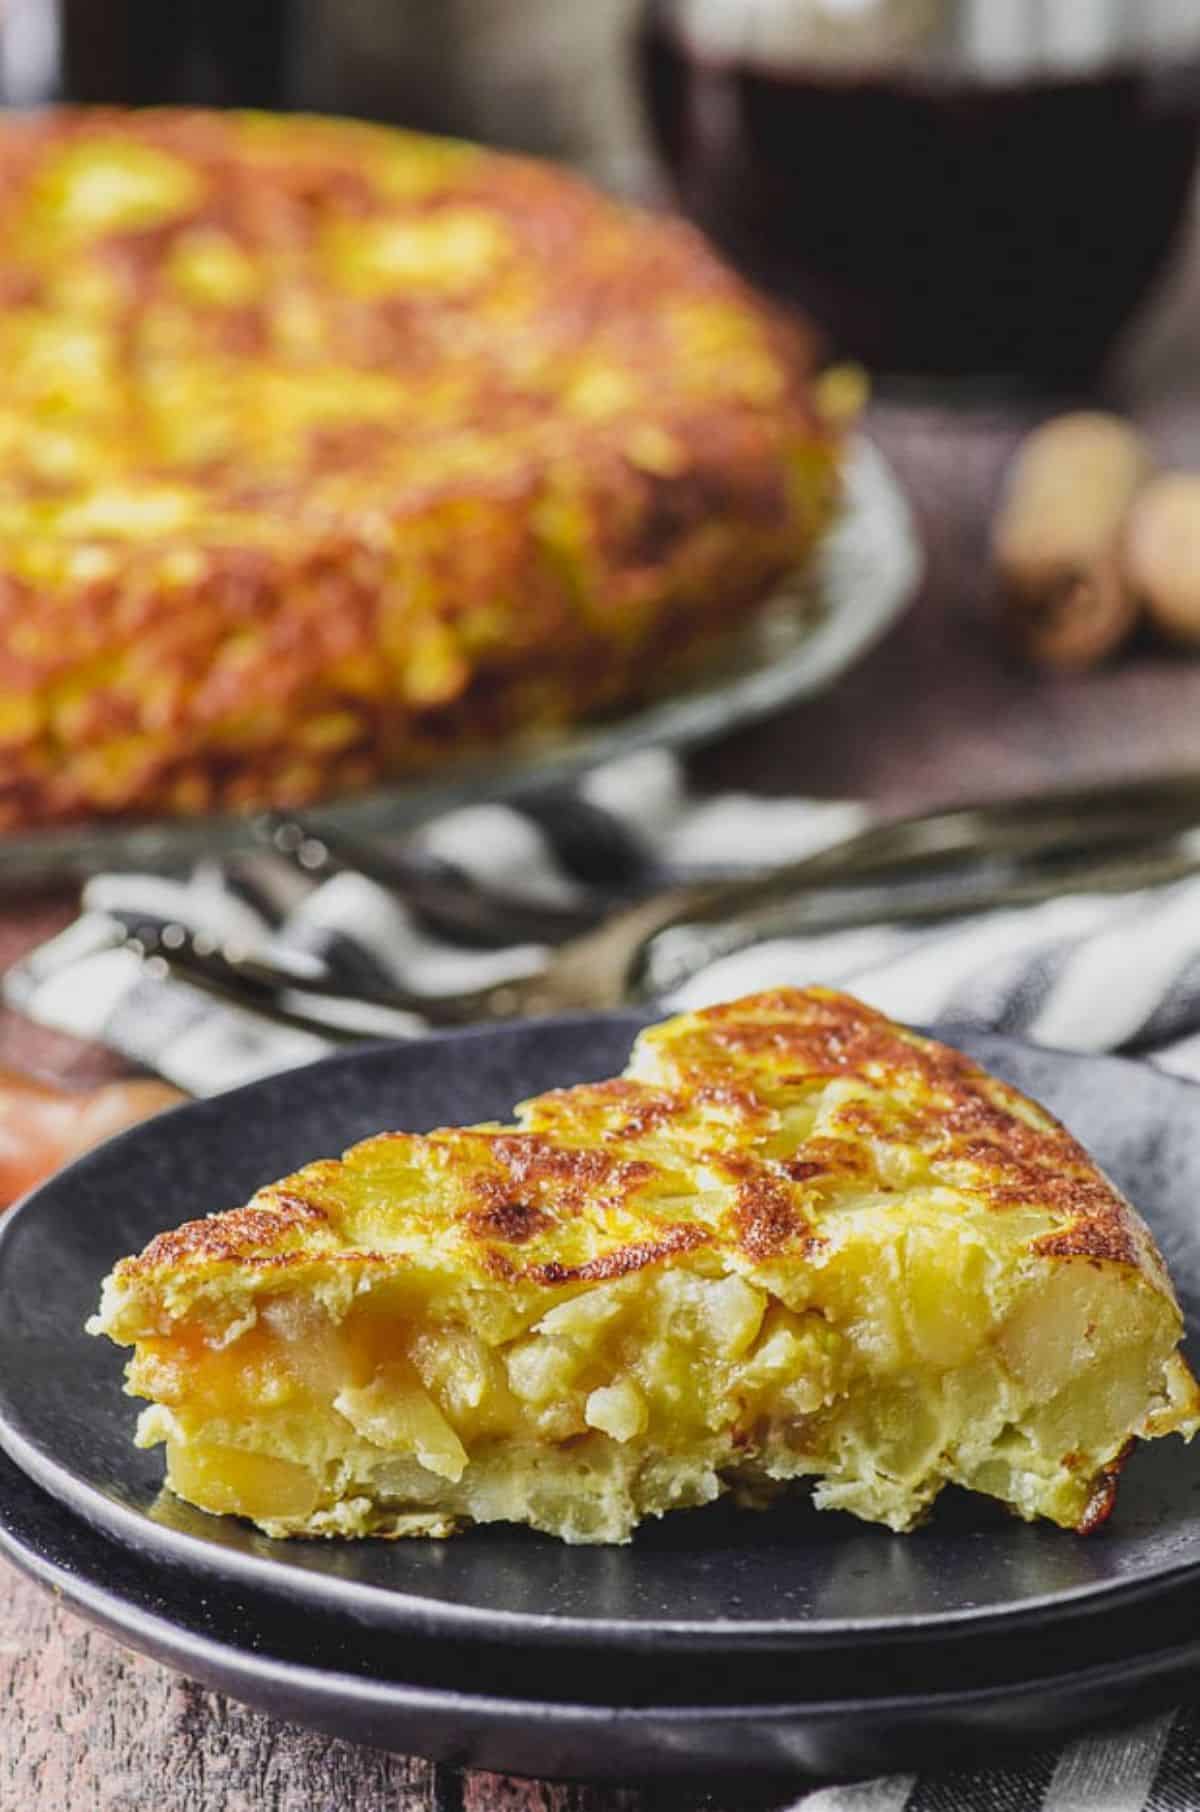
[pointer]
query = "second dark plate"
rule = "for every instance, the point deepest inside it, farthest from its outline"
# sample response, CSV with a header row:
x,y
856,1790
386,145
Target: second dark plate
x,y
790,1580
465,1702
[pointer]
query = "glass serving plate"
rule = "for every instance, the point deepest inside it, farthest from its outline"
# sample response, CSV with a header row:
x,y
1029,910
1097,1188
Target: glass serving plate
x,y
813,628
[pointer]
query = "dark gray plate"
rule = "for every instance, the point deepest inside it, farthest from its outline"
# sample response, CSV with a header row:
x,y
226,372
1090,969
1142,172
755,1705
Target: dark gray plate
x,y
787,1580
461,1702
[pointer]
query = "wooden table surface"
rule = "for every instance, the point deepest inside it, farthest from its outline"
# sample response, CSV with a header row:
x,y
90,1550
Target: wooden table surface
x,y
938,711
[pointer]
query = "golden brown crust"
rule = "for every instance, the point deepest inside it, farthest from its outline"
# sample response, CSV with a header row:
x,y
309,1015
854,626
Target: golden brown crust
x,y
1012,1153
237,1237
330,450
611,1177
1105,1484
622,1260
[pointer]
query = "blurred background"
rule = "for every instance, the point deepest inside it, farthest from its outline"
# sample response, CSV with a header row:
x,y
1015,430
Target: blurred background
x,y
530,74
962,188
988,204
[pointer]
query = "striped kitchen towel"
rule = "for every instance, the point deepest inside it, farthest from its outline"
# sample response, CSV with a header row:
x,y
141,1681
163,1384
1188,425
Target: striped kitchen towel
x,y
1153,1767
1082,972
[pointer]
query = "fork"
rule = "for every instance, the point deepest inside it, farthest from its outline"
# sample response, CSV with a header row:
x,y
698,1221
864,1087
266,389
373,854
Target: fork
x,y
446,898
929,866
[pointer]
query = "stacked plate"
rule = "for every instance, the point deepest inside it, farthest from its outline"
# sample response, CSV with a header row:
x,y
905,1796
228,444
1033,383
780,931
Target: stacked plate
x,y
718,1641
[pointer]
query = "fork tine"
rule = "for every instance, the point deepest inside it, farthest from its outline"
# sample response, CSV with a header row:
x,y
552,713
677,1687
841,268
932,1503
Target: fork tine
x,y
316,1001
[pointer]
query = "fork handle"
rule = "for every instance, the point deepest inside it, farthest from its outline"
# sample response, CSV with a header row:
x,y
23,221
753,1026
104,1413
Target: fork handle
x,y
673,953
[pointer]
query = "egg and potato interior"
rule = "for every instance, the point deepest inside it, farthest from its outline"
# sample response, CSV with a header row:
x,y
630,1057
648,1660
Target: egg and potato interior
x,y
792,1241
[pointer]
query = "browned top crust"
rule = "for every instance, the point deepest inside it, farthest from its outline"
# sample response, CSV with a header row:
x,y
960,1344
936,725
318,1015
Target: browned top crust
x,y
330,449
742,1133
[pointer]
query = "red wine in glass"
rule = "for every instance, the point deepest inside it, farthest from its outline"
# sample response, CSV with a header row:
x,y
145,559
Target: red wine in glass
x,y
937,219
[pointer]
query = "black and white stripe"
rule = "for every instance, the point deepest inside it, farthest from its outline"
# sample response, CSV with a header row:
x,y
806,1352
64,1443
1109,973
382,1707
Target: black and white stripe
x,y
1084,972
1153,1766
